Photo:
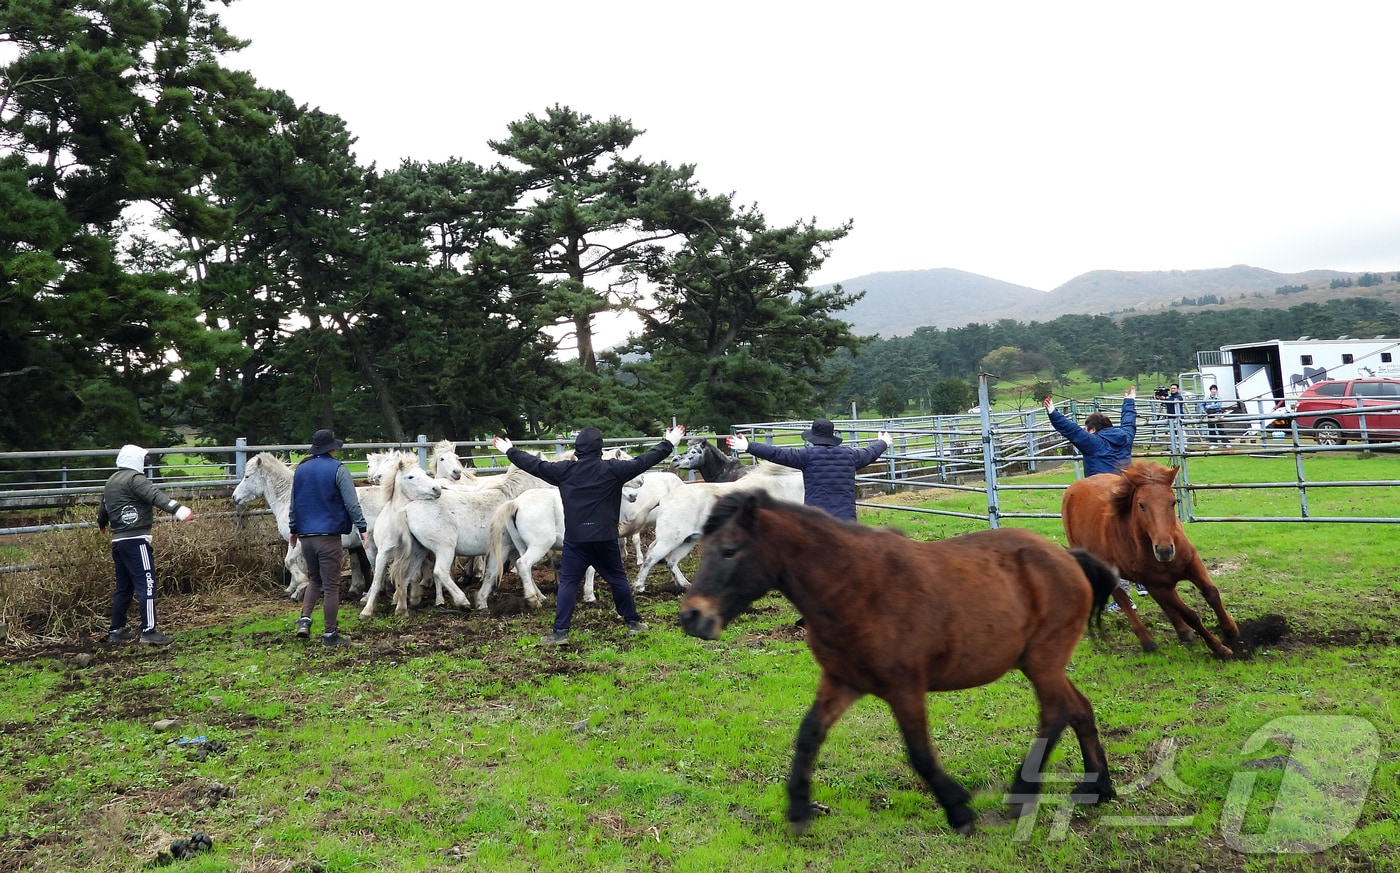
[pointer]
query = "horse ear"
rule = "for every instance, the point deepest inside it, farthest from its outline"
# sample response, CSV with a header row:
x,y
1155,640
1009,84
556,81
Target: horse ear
x,y
1171,475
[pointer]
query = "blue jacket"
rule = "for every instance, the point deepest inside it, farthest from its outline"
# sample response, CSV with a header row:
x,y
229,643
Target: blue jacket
x,y
590,487
323,499
828,472
1109,450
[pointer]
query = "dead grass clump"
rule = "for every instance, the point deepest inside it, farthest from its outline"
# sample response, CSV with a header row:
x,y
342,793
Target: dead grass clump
x,y
69,589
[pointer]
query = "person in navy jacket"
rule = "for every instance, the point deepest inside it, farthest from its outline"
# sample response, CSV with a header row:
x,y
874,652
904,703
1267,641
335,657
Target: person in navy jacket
x,y
324,507
1106,449
828,468
591,491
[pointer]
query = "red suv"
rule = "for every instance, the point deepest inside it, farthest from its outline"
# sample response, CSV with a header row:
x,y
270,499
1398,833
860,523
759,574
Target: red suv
x,y
1334,409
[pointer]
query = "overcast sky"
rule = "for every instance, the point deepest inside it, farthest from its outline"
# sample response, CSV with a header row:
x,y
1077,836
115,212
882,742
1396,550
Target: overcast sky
x,y
1026,141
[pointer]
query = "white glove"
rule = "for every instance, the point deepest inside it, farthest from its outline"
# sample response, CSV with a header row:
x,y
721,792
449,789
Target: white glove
x,y
1131,392
885,437
739,443
1049,405
674,435
501,444
184,513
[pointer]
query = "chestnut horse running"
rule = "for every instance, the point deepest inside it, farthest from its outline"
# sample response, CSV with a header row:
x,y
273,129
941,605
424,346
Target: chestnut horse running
x,y
1129,520
897,618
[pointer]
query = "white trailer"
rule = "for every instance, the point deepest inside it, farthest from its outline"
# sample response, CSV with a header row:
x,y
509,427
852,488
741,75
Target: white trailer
x,y
1257,374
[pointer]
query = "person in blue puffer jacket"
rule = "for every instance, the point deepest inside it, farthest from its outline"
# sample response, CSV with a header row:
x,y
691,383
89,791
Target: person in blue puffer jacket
x,y
1106,449
828,468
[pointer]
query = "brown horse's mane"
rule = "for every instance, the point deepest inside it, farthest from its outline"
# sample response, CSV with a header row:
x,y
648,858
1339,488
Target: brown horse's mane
x,y
736,502
1134,476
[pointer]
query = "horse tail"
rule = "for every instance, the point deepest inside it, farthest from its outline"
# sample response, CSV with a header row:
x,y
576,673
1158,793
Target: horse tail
x,y
1102,579
502,538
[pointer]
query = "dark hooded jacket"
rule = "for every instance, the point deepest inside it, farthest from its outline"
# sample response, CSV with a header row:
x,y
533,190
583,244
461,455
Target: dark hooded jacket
x,y
590,487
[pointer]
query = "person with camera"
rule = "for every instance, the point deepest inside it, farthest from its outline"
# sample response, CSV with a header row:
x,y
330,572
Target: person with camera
x,y
1214,411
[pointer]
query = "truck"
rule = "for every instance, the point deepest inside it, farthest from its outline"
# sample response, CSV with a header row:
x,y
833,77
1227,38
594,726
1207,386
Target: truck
x,y
1254,375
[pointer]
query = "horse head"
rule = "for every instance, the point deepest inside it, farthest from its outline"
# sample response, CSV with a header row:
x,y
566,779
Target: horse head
x,y
694,456
260,477
1146,501
732,571
446,465
403,480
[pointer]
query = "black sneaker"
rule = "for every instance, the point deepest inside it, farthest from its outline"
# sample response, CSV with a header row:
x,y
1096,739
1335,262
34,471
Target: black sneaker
x,y
303,628
636,627
121,635
155,638
1142,592
331,640
555,638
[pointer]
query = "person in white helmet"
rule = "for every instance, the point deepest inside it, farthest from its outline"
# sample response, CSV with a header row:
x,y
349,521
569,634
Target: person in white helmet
x,y
128,501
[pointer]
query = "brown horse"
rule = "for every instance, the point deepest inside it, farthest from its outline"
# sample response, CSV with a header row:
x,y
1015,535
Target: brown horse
x,y
889,616
1129,521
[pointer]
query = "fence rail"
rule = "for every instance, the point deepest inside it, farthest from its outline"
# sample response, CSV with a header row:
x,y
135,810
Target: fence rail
x,y
976,452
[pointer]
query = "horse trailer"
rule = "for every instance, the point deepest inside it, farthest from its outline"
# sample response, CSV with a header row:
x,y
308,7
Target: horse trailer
x,y
1254,375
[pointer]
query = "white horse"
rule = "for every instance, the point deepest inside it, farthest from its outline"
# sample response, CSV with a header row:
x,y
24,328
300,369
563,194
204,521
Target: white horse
x,y
267,476
447,466
525,529
421,517
639,499
681,513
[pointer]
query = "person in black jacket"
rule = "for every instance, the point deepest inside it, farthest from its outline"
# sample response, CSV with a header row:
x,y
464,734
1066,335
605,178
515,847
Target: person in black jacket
x,y
324,507
127,501
591,490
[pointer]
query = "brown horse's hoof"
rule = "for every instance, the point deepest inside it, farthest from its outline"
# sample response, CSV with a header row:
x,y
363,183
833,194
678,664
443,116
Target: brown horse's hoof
x,y
1149,646
1186,636
798,828
1223,652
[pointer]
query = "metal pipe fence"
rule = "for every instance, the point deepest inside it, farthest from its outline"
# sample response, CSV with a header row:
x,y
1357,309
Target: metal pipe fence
x,y
975,453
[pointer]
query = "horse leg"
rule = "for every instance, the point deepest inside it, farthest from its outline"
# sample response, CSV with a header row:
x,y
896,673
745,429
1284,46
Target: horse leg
x,y
1183,629
1199,577
361,568
1125,605
381,564
296,566
911,712
1097,786
1171,600
673,562
832,700
525,568
588,595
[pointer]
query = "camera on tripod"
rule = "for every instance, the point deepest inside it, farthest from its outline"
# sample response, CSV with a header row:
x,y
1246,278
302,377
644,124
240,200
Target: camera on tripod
x,y
1161,393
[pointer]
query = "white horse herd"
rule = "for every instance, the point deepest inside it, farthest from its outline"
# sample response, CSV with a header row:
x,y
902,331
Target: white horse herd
x,y
421,523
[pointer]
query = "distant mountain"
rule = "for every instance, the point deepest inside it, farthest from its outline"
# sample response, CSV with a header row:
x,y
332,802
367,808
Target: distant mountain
x,y
896,303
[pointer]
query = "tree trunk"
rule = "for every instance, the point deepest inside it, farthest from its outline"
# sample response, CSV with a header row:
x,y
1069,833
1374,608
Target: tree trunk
x,y
387,408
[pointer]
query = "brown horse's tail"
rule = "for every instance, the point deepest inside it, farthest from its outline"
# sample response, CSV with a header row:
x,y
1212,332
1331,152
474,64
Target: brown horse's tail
x,y
1102,579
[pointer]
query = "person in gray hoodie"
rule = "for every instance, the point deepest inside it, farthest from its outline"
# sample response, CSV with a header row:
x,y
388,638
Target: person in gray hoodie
x,y
128,501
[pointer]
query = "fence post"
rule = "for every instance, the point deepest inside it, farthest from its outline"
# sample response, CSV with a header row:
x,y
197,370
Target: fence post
x,y
240,457
423,453
989,466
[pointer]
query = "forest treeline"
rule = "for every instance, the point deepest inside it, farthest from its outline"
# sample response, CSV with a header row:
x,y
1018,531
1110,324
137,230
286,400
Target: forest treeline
x,y
182,249
937,369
